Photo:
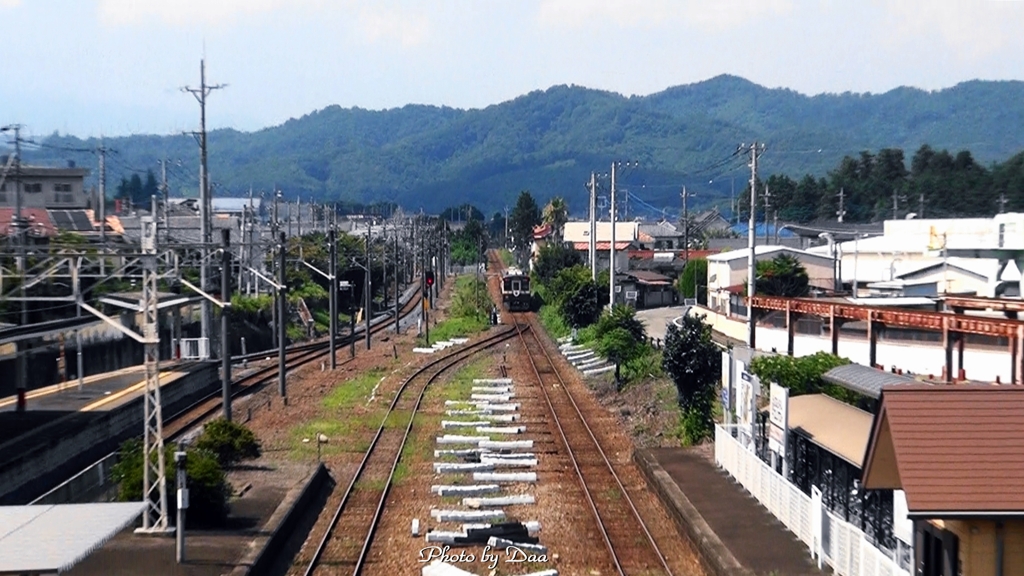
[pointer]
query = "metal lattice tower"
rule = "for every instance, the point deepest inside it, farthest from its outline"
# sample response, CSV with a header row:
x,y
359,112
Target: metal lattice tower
x,y
154,480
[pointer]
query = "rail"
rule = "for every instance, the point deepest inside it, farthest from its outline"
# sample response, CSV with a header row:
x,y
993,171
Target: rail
x,y
602,521
369,495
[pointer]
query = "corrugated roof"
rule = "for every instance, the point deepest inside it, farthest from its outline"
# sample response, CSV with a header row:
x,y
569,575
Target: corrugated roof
x,y
762,250
602,246
53,538
957,449
37,221
864,380
835,426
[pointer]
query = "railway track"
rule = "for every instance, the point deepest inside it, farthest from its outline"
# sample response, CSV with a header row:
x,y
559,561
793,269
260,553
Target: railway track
x,y
346,542
295,357
625,535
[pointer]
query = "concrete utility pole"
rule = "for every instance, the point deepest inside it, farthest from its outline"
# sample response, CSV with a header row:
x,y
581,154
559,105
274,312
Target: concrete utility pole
x,y
205,205
333,243
686,225
611,247
767,210
895,205
225,298
920,205
397,326
755,152
842,210
17,236
367,300
593,225
282,313
164,193
1002,202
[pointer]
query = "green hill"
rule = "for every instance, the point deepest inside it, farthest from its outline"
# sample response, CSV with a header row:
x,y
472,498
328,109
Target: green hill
x,y
549,141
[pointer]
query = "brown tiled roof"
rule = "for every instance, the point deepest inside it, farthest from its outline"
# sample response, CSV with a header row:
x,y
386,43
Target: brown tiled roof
x,y
957,449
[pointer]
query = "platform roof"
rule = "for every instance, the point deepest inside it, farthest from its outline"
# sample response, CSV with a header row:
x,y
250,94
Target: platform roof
x,y
865,380
52,538
835,426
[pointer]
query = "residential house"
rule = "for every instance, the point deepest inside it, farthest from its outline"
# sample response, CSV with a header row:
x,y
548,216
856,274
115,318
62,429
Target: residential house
x,y
955,454
627,235
727,274
45,187
644,289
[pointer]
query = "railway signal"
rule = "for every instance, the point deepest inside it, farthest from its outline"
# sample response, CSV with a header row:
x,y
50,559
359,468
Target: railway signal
x,y
430,278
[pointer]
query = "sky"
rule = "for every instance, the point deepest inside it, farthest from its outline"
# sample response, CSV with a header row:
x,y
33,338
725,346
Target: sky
x,y
116,67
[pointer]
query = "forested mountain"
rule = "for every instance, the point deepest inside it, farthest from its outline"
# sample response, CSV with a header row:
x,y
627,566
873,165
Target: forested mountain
x,y
549,141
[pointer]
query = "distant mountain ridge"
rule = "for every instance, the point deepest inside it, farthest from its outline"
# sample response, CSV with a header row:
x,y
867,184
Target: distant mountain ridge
x,y
549,141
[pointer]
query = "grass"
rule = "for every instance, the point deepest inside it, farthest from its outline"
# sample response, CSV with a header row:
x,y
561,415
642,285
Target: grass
x,y
506,257
353,392
553,322
469,312
351,431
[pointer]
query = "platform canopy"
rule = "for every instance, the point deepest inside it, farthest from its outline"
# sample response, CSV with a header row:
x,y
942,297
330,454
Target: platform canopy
x,y
49,539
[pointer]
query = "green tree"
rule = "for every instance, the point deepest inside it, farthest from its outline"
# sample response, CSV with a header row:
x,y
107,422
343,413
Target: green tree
x,y
693,280
521,222
618,346
694,363
230,442
207,484
556,213
553,258
783,275
582,307
623,317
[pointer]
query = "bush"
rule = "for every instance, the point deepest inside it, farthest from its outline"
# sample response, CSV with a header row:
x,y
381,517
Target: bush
x,y
582,307
622,317
803,375
230,442
694,426
208,487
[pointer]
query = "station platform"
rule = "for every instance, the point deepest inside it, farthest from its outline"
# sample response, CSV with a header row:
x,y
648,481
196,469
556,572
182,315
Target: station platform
x,y
722,518
100,391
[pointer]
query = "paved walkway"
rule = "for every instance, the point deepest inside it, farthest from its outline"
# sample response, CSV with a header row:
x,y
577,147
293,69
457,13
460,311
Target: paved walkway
x,y
656,319
757,540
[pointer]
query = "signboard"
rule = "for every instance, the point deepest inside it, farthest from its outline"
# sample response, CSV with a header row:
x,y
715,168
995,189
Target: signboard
x,y
902,527
778,418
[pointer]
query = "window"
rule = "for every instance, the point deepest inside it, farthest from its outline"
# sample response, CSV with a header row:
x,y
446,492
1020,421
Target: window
x,y
62,187
33,187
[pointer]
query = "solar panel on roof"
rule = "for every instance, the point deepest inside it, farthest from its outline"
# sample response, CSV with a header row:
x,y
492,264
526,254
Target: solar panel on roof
x,y
61,219
81,220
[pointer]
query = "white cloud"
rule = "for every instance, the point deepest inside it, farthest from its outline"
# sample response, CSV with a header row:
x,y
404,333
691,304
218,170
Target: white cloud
x,y
715,14
393,25
185,12
972,29
10,3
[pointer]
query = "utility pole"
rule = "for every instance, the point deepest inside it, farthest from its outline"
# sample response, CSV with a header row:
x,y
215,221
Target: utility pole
x,y
842,208
611,247
767,208
755,151
333,244
686,225
17,235
593,226
397,327
225,298
103,197
164,193
205,205
895,204
368,300
1002,202
920,205
282,305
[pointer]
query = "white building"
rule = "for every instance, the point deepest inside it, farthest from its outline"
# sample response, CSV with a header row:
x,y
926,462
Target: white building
x,y
727,274
929,250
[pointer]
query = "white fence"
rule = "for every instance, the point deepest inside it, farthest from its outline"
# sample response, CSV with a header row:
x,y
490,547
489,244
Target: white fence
x,y
838,543
194,348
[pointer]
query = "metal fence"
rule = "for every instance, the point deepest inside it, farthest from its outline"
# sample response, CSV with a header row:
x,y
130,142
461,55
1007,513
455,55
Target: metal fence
x,y
194,348
94,484
831,540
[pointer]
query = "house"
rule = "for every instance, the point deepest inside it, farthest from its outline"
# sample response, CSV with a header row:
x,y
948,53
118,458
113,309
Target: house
x,y
627,234
661,236
954,451
45,187
709,221
727,274
643,289
542,235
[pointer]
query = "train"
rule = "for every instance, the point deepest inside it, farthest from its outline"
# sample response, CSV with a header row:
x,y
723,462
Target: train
x,y
515,290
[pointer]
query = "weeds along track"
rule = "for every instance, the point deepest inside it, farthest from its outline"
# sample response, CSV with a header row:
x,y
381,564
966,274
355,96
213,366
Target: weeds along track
x,y
345,545
295,357
626,536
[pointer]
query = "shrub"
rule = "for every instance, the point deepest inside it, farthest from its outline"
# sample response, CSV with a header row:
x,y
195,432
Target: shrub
x,y
230,442
207,484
